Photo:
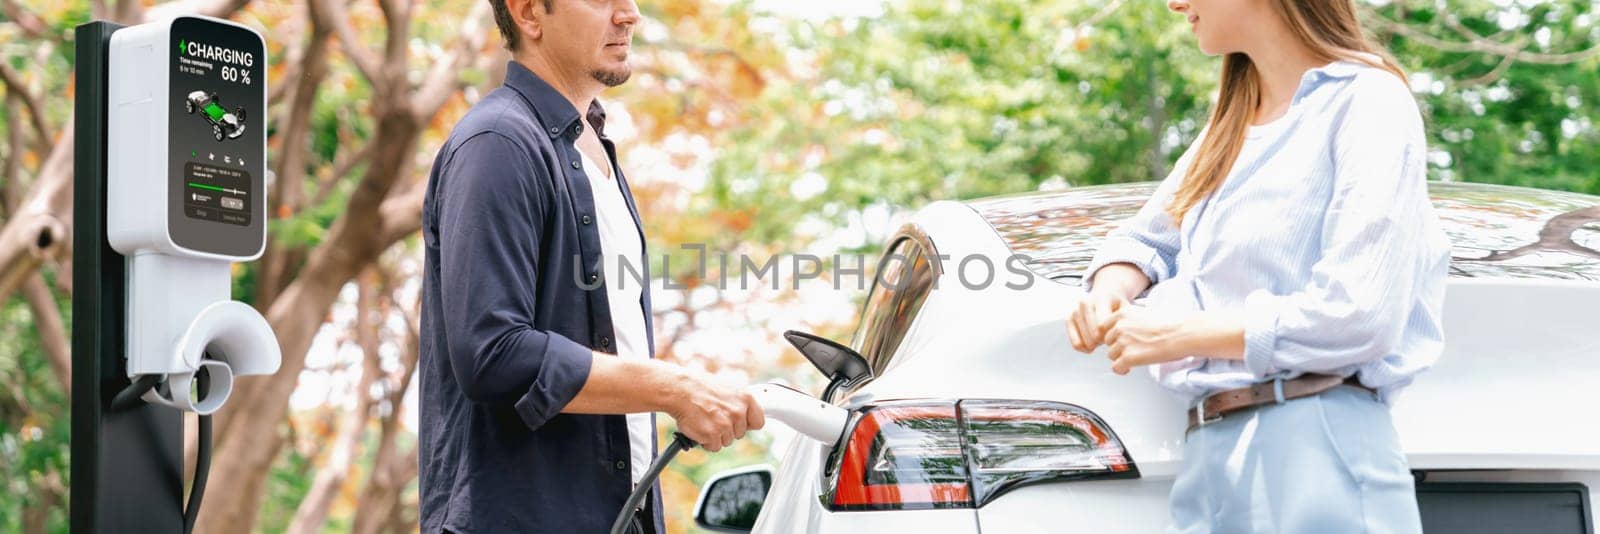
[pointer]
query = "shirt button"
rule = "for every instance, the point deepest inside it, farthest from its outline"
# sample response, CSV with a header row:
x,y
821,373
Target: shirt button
x,y
605,342
579,129
592,278
554,131
586,219
621,465
575,164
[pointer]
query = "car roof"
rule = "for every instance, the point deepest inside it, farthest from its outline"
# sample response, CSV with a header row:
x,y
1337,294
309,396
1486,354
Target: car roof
x,y
1496,231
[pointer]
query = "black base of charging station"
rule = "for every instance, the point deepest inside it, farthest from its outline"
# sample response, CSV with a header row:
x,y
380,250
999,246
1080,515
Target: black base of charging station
x,y
127,465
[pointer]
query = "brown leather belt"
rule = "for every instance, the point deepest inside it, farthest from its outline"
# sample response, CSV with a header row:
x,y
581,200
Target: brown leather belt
x,y
1221,403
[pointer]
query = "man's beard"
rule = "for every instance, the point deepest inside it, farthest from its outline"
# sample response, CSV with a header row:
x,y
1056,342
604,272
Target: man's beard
x,y
612,77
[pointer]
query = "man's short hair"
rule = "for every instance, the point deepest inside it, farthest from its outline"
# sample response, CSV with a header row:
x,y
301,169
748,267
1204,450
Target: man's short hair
x,y
508,27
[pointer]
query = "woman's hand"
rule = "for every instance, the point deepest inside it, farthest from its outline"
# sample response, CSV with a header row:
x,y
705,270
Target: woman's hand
x,y
1144,336
1087,324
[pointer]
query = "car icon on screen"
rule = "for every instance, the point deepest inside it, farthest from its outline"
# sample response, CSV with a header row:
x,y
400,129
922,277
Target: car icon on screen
x,y
224,124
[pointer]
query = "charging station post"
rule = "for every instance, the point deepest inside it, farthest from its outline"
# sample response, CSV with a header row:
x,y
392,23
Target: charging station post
x,y
169,192
127,465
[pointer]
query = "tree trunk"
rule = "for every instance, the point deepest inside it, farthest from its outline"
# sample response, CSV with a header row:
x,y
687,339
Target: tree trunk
x,y
47,497
243,463
381,500
242,466
333,472
289,191
379,504
52,335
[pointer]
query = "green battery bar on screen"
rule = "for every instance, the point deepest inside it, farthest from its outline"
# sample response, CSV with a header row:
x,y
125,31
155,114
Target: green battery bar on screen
x,y
211,187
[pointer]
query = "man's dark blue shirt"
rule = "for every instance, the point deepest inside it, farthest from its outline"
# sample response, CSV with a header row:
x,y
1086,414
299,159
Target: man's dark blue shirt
x,y
512,304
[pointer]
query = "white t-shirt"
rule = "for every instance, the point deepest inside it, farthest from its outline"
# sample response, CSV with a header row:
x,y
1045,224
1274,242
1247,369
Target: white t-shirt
x,y
620,242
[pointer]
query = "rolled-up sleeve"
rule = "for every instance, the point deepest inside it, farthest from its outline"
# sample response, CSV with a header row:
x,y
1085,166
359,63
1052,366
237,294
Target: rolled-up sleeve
x,y
1148,240
491,209
1355,307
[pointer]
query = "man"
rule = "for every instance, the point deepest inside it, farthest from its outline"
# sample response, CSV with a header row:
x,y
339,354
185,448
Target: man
x,y
533,343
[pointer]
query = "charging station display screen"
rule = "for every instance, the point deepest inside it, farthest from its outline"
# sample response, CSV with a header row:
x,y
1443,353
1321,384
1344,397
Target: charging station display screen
x,y
216,125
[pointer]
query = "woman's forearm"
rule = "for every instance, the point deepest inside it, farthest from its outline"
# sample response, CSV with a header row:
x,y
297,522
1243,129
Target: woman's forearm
x,y
1216,334
1123,279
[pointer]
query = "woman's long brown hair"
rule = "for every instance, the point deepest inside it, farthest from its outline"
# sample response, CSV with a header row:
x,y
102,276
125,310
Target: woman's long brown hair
x,y
1330,29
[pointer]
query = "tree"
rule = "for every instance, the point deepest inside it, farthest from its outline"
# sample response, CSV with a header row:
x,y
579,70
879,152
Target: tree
x,y
1508,89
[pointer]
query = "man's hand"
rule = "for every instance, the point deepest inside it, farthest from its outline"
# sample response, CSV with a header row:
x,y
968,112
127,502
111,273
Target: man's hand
x,y
1088,324
712,412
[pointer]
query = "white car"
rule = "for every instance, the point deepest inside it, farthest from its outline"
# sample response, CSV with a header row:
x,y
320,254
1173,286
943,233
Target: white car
x,y
978,416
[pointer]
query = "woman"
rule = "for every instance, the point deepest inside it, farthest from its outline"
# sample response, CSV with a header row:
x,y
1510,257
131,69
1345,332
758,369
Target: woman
x,y
1293,273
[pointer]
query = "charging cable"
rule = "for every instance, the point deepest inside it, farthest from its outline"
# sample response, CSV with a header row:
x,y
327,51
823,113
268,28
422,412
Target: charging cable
x,y
680,443
129,398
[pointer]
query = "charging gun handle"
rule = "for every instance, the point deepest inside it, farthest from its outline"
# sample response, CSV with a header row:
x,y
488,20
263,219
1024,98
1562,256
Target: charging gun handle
x,y
805,414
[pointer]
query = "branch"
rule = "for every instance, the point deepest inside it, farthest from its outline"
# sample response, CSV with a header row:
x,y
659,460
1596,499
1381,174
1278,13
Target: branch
x,y
665,349
1105,11
46,497
29,101
401,213
331,475
1556,235
1493,74
211,8
1479,44
288,191
385,489
128,12
292,59
713,51
397,23
1454,23
410,342
32,26
391,472
331,14
443,80
11,170
342,166
38,230
52,334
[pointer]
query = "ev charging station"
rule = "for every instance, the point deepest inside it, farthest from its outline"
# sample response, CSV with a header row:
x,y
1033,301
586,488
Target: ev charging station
x,y
169,193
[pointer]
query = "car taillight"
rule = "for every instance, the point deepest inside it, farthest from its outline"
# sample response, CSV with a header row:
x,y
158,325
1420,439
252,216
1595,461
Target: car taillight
x,y
962,454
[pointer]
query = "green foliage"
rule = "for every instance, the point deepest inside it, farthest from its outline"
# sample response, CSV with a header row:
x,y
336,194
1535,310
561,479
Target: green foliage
x,y
291,478
936,100
1528,124
35,423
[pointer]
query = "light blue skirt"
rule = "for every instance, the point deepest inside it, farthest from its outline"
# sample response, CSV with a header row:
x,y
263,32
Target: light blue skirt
x,y
1326,463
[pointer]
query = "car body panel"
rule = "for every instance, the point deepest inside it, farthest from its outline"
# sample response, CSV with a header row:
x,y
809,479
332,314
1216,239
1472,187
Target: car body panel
x,y
1100,506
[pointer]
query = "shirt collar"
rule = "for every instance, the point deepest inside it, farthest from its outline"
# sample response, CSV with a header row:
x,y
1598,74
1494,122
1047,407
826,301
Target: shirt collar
x,y
555,112
1346,67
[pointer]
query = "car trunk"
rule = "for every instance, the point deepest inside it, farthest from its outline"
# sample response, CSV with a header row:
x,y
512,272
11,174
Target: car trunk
x,y
1521,367
1508,401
